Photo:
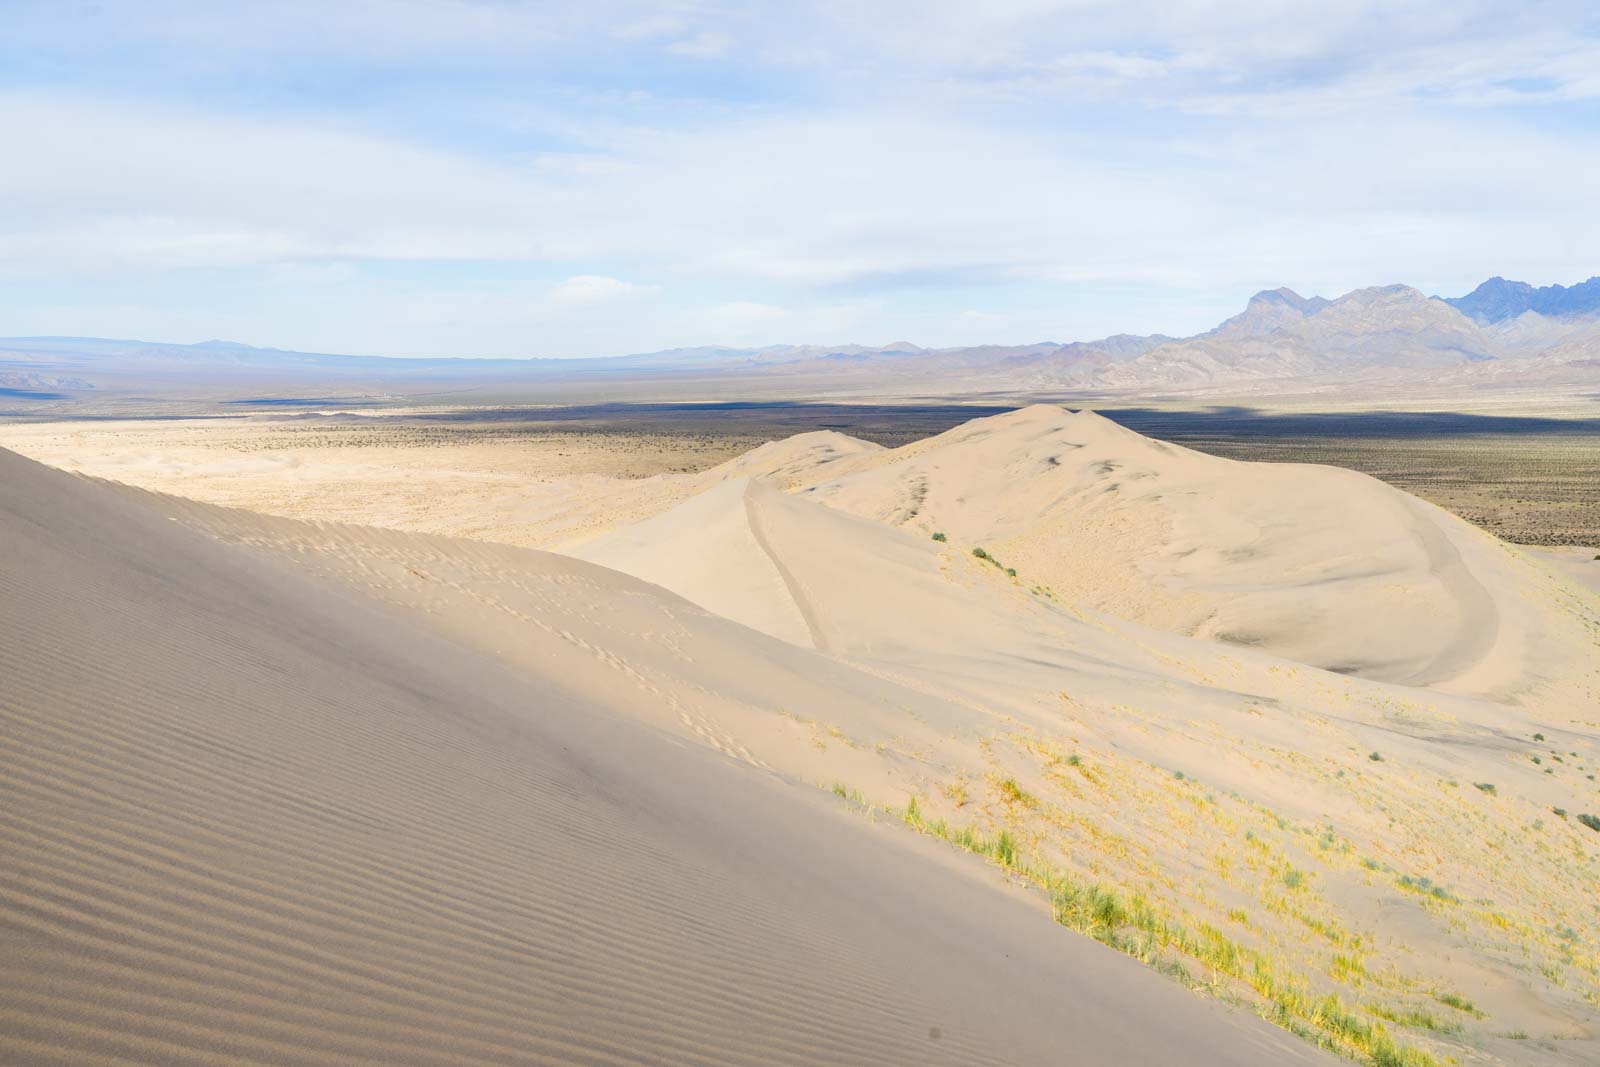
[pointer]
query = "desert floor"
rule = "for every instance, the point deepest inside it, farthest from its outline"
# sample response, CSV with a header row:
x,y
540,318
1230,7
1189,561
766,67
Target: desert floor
x,y
1528,479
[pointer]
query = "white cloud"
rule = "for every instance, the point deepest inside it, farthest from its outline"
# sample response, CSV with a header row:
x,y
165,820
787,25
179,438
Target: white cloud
x,y
595,289
703,45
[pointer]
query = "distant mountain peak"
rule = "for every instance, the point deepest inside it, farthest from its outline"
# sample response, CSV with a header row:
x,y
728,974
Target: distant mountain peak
x,y
1270,310
1383,294
1498,299
1284,295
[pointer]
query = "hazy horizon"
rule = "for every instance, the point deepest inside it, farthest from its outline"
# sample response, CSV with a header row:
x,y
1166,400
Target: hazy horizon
x,y
799,343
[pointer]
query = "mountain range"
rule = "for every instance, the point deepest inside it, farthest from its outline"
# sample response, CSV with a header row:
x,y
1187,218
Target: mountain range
x,y
1502,335
1498,299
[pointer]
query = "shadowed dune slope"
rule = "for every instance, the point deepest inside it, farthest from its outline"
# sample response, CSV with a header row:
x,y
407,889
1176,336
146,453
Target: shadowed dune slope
x,y
248,817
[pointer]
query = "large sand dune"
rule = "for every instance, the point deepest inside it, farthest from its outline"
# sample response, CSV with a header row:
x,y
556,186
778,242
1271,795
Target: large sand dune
x,y
257,810
1320,565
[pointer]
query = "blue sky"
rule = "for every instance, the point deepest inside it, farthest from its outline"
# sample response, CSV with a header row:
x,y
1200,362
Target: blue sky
x,y
506,179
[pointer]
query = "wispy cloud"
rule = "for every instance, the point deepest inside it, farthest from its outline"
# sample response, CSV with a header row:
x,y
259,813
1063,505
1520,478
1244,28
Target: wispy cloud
x,y
596,289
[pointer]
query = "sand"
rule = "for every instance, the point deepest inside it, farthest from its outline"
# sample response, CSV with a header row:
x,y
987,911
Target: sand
x,y
488,481
252,816
525,805
1484,656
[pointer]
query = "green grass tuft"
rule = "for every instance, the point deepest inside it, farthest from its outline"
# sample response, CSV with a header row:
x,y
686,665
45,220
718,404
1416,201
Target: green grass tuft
x,y
1015,794
1458,1002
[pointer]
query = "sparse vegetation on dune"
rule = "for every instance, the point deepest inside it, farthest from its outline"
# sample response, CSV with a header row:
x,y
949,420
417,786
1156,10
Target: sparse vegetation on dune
x,y
1295,956
1203,958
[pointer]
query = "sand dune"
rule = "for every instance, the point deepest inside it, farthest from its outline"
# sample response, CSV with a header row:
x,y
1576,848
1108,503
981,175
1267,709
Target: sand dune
x,y
1321,565
711,550
1014,676
258,810
511,805
800,456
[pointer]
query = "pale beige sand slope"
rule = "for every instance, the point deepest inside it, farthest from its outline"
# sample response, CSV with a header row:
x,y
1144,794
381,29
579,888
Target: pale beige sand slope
x,y
256,808
1358,787
710,549
1582,565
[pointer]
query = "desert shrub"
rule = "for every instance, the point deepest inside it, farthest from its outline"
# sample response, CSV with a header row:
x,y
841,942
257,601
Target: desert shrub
x,y
1486,787
1591,822
1375,757
980,553
1560,812
1538,737
940,537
